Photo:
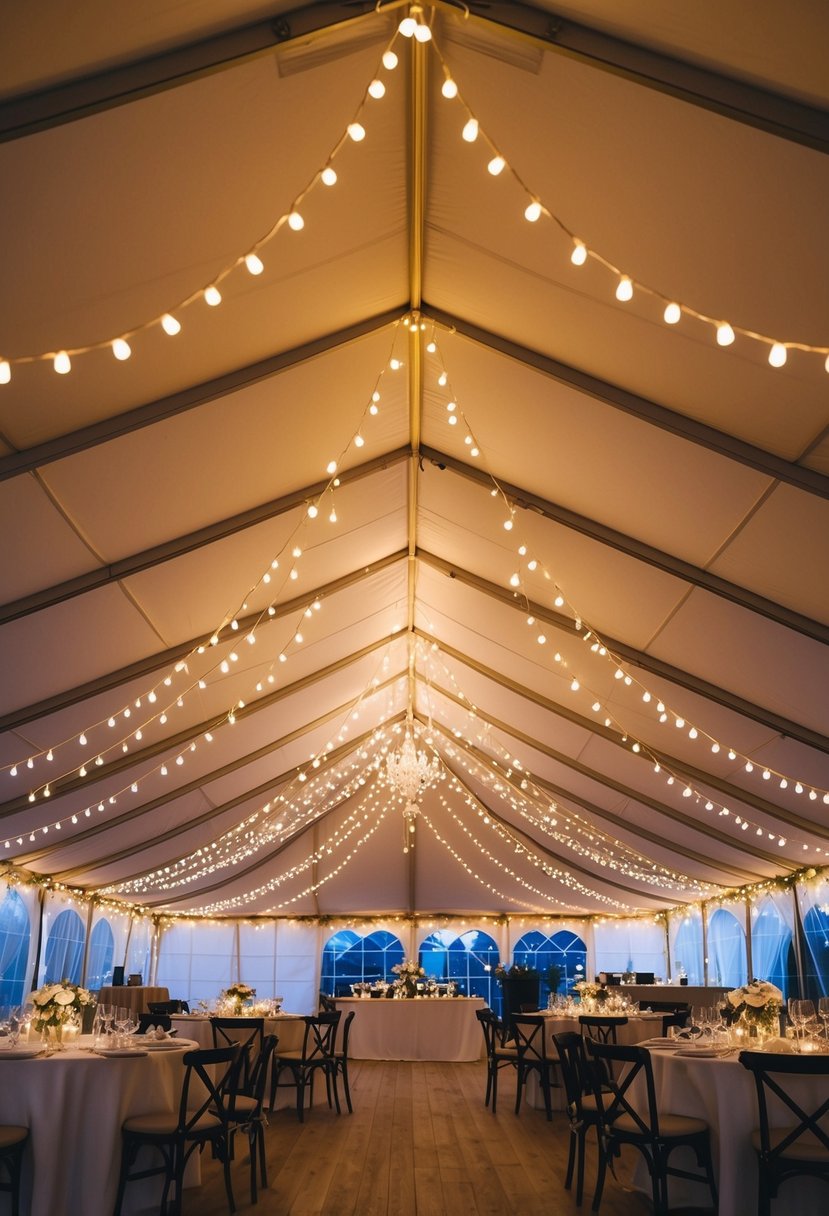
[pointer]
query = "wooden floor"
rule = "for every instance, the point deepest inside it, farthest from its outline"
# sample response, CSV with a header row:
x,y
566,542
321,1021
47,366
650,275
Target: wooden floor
x,y
420,1143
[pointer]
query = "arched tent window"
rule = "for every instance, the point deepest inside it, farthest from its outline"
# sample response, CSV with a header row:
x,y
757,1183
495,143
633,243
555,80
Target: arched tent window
x,y
15,935
772,954
348,959
468,959
563,950
101,950
816,932
726,949
64,949
687,948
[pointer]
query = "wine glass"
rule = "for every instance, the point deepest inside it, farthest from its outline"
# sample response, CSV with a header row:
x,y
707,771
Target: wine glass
x,y
823,1014
696,1024
122,1017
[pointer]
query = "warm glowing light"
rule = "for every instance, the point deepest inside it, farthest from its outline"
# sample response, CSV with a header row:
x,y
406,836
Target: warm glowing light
x,y
170,325
295,221
407,27
579,255
423,33
624,289
328,177
62,363
389,61
254,263
725,334
671,314
778,355
470,131
533,212
496,165
331,467
212,296
121,349
5,371
449,89
356,131
376,89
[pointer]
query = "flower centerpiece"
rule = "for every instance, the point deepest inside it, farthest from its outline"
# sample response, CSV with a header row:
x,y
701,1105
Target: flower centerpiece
x,y
757,1005
590,993
55,1005
408,973
237,995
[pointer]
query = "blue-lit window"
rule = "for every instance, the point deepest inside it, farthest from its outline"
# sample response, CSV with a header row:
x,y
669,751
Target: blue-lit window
x,y
468,959
64,949
816,962
15,935
348,959
563,949
726,950
101,950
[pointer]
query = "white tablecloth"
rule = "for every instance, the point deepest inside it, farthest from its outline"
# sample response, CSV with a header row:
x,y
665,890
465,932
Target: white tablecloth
x,y
288,1028
722,1092
74,1103
134,997
639,1026
439,1028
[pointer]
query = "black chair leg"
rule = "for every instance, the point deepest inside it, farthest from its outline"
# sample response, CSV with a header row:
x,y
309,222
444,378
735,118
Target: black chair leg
x,y
348,1091
571,1161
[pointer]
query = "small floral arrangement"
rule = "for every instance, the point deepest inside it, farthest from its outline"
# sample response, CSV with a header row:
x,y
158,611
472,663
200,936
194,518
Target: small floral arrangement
x,y
759,1002
55,1003
502,973
590,991
408,968
236,995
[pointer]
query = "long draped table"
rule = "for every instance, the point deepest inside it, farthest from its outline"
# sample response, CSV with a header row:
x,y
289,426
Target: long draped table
x,y
288,1028
74,1103
722,1092
132,996
424,1028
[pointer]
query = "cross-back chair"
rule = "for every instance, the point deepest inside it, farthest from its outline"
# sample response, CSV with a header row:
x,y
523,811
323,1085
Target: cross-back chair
x,y
629,1115
801,1145
529,1033
246,1112
201,1118
499,1052
315,1055
168,1007
249,1033
341,1060
582,1111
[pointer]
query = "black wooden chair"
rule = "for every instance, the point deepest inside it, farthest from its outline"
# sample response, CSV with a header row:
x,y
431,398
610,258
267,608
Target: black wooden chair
x,y
327,1004
146,1020
529,1033
679,1018
201,1119
249,1033
499,1053
639,1122
341,1060
13,1141
168,1007
601,1029
246,1112
801,1146
582,1111
315,1055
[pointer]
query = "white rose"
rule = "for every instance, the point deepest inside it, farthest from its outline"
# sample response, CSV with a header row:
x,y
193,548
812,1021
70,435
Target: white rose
x,y
64,997
735,998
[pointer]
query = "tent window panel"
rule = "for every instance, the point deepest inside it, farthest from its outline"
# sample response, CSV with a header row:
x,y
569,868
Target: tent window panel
x,y
816,962
468,960
64,949
101,950
15,939
727,965
686,952
771,946
564,950
348,959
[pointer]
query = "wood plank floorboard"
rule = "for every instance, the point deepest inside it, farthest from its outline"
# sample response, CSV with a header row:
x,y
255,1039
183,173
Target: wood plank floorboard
x,y
419,1143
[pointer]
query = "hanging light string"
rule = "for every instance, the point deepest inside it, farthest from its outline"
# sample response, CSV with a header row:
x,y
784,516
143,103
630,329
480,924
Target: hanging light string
x,y
725,333
531,563
533,803
251,261
224,631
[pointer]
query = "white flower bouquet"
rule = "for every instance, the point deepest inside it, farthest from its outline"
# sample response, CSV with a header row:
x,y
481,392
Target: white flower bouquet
x,y
759,1002
410,968
54,1004
233,998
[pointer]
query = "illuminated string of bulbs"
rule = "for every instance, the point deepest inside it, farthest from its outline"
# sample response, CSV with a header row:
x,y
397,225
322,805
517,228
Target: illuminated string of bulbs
x,y
587,632
627,285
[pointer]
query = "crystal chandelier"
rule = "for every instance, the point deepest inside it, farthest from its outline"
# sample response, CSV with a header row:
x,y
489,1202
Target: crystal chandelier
x,y
409,772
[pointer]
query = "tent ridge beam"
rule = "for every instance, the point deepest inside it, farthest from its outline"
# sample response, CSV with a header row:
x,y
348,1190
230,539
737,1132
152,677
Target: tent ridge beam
x,y
647,662
85,438
136,563
658,558
729,446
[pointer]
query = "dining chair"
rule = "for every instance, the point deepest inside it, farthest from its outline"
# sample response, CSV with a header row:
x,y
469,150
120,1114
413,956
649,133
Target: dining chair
x,y
801,1145
601,1029
161,1021
201,1118
315,1055
678,1018
13,1141
341,1060
168,1007
327,1004
499,1053
246,1113
529,1033
582,1111
249,1033
631,1116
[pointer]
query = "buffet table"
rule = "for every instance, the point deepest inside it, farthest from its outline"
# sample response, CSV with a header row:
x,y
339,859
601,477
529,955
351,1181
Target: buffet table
x,y
132,996
74,1103
425,1028
722,1092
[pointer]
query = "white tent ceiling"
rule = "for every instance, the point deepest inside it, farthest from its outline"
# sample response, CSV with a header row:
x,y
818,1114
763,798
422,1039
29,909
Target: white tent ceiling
x,y
667,495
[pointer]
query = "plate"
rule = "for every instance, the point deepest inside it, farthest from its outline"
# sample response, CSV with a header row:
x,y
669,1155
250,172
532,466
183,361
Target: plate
x,y
20,1053
113,1052
701,1053
166,1044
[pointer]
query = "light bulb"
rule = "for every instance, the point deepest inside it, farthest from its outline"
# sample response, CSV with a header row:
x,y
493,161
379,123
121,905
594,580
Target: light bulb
x,y
470,131
170,325
332,518
778,355
212,296
5,371
121,349
331,467
725,334
579,255
407,27
423,33
376,89
389,61
671,314
449,89
295,221
254,263
533,211
328,177
313,511
358,440
496,165
62,363
624,289
356,131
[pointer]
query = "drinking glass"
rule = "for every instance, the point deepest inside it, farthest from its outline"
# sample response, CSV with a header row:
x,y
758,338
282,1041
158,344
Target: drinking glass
x,y
823,1014
122,1017
696,1024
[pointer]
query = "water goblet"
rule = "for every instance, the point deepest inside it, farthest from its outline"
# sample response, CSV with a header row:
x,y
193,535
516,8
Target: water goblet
x,y
122,1017
823,1014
